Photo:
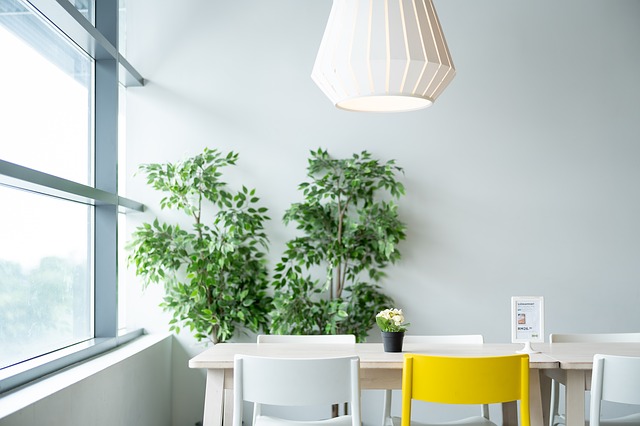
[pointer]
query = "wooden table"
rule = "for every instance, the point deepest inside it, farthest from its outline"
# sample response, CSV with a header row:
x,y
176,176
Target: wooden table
x,y
379,370
575,364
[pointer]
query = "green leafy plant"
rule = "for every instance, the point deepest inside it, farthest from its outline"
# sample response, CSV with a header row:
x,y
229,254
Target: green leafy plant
x,y
214,275
327,279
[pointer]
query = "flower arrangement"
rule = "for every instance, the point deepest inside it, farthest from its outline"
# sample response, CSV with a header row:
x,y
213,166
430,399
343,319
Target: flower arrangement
x,y
391,320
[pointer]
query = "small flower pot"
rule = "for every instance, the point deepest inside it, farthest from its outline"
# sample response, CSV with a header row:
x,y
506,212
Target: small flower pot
x,y
392,340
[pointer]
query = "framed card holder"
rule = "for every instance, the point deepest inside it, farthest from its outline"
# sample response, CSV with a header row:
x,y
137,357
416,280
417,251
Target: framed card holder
x,y
527,320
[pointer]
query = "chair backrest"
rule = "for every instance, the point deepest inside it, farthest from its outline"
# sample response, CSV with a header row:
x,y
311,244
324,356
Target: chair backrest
x,y
307,338
454,338
409,339
594,338
296,382
614,378
465,380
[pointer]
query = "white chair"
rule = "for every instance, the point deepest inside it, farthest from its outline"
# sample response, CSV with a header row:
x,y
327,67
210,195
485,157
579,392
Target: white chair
x,y
387,418
298,382
615,379
347,339
555,417
307,338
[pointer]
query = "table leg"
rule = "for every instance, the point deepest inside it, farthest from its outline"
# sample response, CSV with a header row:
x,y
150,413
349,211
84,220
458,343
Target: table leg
x,y
545,393
537,395
509,414
228,407
214,398
574,397
535,398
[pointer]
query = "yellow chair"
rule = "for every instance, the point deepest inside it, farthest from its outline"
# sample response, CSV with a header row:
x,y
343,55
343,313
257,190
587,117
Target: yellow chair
x,y
476,339
466,380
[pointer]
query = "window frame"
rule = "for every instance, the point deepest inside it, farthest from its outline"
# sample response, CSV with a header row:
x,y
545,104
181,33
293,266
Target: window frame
x,y
99,42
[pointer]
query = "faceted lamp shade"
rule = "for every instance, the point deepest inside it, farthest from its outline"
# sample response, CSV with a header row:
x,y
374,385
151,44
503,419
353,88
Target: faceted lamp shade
x,y
383,56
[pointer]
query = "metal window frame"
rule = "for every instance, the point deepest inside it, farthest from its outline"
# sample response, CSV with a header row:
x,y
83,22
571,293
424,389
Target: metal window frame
x,y
100,42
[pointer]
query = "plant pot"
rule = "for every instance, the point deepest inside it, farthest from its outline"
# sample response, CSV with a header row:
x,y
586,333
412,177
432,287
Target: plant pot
x,y
392,340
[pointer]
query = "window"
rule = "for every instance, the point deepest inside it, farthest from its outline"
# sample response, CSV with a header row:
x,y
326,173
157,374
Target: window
x,y
45,280
58,185
44,79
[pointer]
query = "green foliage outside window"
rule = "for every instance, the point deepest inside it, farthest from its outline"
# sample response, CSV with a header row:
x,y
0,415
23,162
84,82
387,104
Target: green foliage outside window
x,y
41,308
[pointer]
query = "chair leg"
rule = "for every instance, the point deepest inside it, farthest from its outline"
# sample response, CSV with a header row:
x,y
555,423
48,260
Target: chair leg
x,y
484,410
386,411
335,409
553,405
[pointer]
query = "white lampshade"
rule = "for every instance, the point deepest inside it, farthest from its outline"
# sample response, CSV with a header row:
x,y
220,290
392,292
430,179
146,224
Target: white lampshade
x,y
383,56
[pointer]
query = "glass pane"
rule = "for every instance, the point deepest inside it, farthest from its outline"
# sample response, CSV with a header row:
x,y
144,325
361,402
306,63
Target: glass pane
x,y
122,27
86,8
122,217
45,274
122,279
44,80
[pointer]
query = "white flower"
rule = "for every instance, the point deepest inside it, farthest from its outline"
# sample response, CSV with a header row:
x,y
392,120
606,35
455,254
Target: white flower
x,y
386,314
391,320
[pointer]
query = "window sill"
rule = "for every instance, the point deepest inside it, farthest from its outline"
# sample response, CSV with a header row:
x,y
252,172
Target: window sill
x,y
22,396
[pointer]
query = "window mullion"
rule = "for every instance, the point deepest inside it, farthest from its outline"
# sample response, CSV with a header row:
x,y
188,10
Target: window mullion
x,y
20,177
106,154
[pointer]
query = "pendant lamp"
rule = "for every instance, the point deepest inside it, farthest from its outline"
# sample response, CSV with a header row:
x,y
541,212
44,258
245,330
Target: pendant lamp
x,y
383,56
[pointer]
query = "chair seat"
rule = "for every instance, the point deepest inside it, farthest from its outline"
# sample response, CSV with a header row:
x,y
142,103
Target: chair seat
x,y
469,421
632,419
275,421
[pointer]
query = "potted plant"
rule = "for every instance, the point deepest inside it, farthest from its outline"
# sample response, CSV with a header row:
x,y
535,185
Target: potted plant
x,y
392,328
327,281
214,274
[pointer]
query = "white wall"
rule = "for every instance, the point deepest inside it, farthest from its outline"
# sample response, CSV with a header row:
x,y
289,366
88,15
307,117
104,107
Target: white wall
x,y
522,179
